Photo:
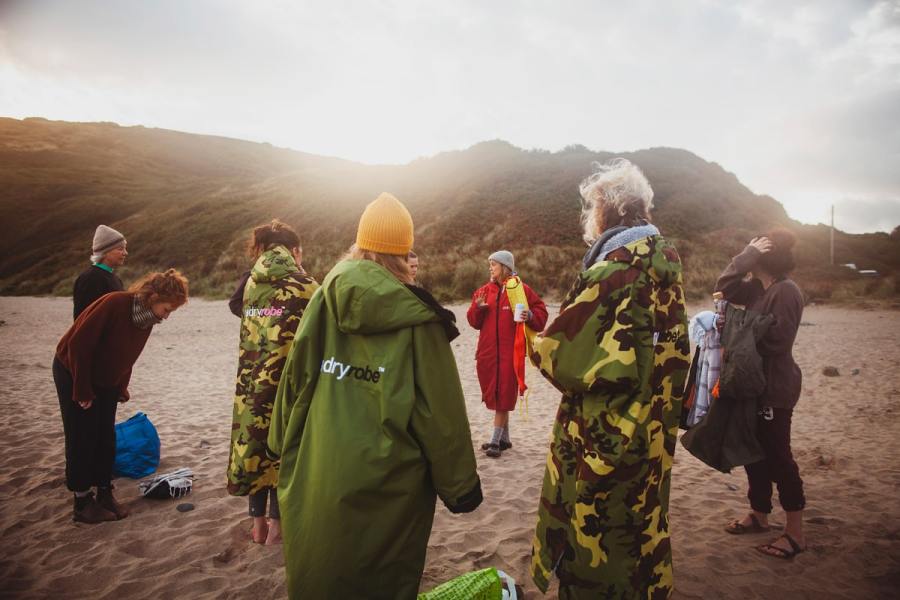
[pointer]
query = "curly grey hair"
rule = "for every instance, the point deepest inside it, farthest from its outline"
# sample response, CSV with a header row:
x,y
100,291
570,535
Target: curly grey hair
x,y
619,186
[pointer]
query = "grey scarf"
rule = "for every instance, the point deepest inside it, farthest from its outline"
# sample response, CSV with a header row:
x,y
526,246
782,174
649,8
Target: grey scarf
x,y
141,316
615,238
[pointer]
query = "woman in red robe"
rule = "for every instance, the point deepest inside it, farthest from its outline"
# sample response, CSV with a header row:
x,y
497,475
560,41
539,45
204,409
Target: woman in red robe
x,y
492,314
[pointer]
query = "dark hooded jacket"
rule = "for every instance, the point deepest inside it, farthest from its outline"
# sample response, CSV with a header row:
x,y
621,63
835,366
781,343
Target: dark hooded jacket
x,y
783,300
726,437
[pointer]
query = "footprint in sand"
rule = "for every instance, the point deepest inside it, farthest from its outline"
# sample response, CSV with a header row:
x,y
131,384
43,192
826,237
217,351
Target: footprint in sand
x,y
240,540
224,557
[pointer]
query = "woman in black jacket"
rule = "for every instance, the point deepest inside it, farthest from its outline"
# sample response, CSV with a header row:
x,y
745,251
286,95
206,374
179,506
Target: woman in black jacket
x,y
768,260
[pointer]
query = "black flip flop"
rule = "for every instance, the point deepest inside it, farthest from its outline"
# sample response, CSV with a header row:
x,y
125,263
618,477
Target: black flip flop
x,y
782,553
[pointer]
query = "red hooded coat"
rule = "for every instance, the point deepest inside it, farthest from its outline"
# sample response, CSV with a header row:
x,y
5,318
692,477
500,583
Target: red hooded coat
x,y
494,355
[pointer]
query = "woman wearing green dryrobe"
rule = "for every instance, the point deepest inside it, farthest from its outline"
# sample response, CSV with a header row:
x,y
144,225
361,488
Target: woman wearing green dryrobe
x,y
370,424
274,298
618,352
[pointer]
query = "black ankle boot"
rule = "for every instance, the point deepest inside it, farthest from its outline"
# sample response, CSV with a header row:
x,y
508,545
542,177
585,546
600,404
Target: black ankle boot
x,y
106,499
86,510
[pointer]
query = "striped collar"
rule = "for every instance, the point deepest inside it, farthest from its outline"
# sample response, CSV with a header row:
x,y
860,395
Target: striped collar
x,y
141,316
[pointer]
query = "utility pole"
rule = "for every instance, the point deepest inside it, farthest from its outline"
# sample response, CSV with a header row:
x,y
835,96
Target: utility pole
x,y
832,235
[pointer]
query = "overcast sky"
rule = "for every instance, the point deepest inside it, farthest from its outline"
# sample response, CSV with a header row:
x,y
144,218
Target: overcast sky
x,y
801,100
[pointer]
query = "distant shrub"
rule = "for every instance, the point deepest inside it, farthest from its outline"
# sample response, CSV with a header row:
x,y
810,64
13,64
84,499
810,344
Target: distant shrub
x,y
469,275
818,291
188,202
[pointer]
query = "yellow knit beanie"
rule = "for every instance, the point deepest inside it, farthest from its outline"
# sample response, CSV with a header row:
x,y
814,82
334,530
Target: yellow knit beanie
x,y
385,227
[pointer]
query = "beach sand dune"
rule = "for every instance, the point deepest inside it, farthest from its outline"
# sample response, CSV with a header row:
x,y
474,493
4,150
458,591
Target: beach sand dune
x,y
845,434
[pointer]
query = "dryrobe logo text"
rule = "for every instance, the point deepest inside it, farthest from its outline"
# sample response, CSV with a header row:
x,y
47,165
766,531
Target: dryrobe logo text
x,y
268,311
340,370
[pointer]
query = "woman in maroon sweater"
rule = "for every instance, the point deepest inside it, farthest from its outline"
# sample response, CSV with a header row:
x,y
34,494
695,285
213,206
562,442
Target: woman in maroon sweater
x,y
91,369
768,291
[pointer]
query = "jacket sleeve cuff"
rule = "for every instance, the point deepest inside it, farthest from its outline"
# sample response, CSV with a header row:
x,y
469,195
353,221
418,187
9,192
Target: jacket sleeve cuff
x,y
467,502
746,260
80,394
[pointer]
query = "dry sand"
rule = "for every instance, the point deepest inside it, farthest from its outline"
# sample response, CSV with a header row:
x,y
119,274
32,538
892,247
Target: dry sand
x,y
845,432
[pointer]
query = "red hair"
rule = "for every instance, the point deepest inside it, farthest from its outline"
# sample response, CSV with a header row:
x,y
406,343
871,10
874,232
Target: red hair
x,y
170,286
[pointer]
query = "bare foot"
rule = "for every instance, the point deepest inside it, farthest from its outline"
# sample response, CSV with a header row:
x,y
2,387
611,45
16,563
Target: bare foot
x,y
260,531
274,536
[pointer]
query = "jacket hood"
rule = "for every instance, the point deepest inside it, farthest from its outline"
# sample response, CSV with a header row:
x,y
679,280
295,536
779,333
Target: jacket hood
x,y
274,264
652,255
364,298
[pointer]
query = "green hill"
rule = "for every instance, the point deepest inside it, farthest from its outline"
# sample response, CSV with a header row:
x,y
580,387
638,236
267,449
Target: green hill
x,y
189,201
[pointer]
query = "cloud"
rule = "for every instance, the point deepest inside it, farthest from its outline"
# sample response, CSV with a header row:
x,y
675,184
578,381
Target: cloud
x,y
860,216
800,100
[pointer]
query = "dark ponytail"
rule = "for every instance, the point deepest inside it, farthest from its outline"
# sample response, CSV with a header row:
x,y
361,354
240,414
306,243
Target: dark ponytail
x,y
275,233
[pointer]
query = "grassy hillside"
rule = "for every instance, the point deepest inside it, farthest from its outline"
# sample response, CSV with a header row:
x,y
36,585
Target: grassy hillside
x,y
189,201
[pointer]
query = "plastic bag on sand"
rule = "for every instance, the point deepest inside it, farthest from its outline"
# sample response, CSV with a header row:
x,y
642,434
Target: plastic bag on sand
x,y
137,447
486,584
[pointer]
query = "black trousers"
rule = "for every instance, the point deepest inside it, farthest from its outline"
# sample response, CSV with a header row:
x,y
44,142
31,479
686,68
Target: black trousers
x,y
90,434
258,503
778,466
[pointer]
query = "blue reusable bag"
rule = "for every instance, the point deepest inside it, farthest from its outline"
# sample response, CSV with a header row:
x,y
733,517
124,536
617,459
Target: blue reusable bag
x,y
137,447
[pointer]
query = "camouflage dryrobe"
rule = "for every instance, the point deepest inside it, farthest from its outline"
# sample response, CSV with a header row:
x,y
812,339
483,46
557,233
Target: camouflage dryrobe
x,y
274,300
618,351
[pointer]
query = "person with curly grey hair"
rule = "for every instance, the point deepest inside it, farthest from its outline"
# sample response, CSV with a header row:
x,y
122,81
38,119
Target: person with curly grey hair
x,y
618,351
615,197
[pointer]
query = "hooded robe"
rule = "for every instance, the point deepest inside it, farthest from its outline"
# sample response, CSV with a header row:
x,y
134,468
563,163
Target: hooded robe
x,y
370,424
274,300
619,353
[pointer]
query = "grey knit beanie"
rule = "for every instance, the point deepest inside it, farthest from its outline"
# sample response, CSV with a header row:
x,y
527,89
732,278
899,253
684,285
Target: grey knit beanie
x,y
105,239
504,257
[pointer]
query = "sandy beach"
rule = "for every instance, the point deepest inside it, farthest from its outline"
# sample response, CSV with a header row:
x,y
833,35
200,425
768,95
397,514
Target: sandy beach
x,y
845,434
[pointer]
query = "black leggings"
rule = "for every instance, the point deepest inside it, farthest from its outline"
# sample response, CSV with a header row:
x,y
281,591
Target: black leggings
x,y
90,434
258,503
778,466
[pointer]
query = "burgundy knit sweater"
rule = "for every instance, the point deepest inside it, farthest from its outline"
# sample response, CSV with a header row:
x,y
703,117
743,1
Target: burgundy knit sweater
x,y
102,346
784,301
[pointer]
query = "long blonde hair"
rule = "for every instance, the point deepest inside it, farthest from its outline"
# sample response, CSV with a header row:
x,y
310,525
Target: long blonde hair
x,y
395,264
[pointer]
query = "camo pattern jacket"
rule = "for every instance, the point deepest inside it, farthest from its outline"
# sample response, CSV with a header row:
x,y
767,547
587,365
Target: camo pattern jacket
x,y
619,353
275,297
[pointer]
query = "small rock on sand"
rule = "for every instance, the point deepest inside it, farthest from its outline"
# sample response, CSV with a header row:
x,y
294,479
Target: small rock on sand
x,y
825,460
